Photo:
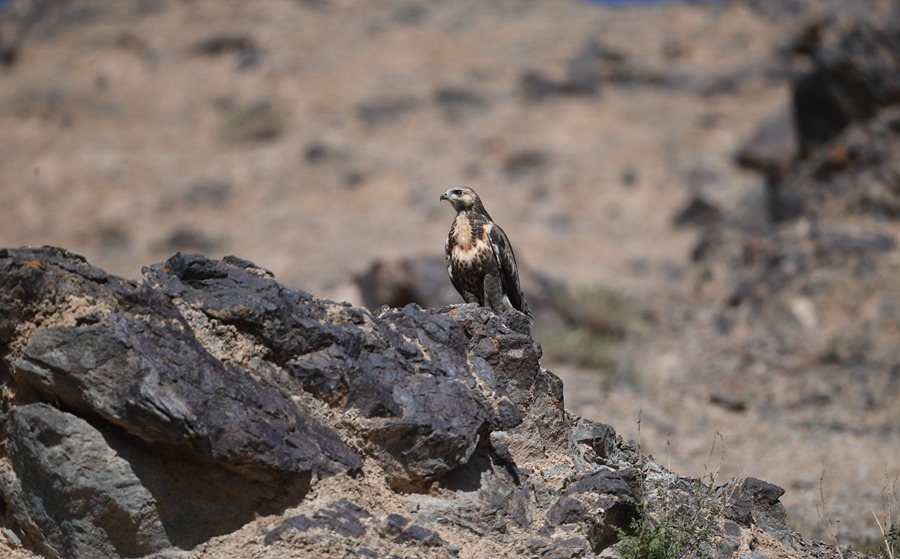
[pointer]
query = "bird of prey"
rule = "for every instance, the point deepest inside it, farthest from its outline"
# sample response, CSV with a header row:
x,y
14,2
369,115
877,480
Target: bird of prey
x,y
479,258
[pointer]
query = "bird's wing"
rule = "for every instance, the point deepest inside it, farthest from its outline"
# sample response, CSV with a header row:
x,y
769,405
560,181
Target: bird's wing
x,y
509,272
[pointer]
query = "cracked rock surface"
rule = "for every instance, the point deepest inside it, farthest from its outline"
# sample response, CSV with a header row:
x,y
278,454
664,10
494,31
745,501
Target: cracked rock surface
x,y
207,410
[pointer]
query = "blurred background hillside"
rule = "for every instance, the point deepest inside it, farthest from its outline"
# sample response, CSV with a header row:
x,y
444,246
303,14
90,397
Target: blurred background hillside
x,y
703,197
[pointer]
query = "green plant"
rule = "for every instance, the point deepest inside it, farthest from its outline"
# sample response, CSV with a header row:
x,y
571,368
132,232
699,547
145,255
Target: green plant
x,y
676,516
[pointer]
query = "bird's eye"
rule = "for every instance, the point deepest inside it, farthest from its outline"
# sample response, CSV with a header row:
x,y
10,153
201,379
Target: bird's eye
x,y
457,192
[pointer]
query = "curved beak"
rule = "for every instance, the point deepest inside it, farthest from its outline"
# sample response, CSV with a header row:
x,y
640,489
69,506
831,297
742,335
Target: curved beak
x,y
444,196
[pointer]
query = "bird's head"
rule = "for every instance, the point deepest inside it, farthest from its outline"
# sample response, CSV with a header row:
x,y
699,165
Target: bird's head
x,y
463,199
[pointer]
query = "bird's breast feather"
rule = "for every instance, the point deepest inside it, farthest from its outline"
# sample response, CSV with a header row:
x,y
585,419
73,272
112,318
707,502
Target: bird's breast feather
x,y
475,253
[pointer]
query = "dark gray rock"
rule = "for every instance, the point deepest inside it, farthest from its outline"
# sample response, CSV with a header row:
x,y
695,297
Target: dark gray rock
x,y
343,517
406,370
526,164
418,534
850,81
567,548
566,511
593,64
600,437
608,519
834,241
853,174
536,86
384,110
212,444
261,121
157,383
611,500
459,104
406,366
620,483
222,43
71,494
697,213
773,147
394,524
143,418
757,502
238,293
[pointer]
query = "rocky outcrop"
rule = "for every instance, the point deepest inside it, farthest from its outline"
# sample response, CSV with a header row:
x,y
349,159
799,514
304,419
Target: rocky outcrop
x,y
851,80
833,203
146,417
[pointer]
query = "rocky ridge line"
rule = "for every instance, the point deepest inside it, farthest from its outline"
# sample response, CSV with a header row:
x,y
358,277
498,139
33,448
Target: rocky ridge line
x,y
147,418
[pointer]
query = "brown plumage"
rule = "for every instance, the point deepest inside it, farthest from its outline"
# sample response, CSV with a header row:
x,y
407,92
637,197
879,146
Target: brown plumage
x,y
479,258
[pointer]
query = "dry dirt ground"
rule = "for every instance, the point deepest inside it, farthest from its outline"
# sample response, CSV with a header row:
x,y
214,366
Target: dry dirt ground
x,y
313,137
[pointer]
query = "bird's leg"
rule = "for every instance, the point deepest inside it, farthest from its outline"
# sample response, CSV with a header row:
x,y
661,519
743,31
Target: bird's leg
x,y
469,297
493,290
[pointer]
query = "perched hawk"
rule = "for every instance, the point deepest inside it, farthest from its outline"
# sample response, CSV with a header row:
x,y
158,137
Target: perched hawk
x,y
479,258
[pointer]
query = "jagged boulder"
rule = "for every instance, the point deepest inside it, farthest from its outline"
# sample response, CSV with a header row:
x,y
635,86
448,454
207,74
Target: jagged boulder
x,y
140,418
134,365
405,371
851,80
54,458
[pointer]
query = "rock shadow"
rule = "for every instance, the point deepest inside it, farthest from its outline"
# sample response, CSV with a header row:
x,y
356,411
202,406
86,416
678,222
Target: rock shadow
x,y
197,498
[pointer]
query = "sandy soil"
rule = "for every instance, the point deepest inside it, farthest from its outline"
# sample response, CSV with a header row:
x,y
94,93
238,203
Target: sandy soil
x,y
316,141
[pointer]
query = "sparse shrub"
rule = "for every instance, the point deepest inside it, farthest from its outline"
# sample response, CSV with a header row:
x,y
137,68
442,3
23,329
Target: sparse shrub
x,y
889,523
886,547
677,517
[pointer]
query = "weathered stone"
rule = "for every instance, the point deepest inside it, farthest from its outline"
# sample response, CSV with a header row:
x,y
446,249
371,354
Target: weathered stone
x,y
394,524
343,517
697,213
418,534
194,392
536,86
259,121
71,494
609,482
600,437
757,502
157,383
833,241
610,501
566,511
773,147
608,519
402,530
458,105
236,292
384,110
567,548
405,367
850,81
